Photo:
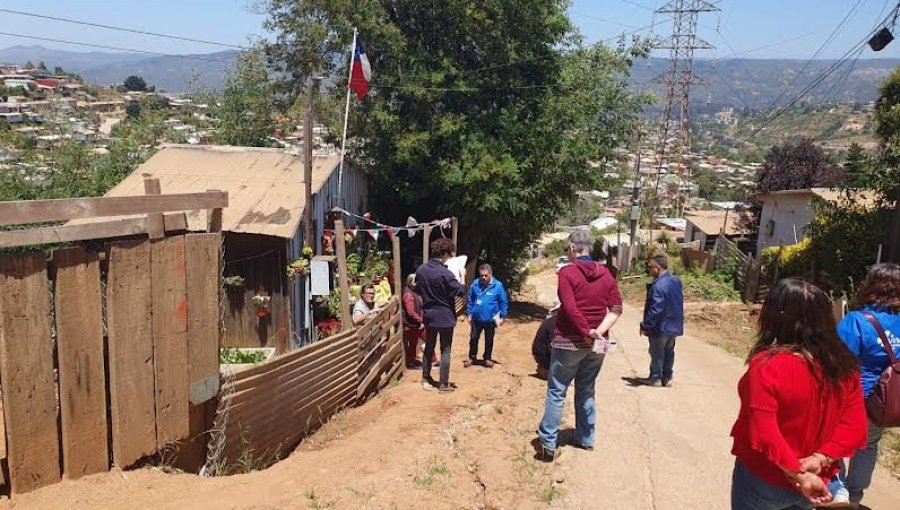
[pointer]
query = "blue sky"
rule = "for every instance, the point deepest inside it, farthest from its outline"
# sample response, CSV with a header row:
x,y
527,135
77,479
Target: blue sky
x,y
742,27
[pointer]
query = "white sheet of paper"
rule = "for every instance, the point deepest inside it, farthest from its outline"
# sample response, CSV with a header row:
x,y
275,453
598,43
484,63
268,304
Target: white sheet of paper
x,y
456,265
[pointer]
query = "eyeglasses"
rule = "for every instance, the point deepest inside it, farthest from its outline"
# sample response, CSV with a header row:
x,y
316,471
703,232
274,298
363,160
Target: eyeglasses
x,y
368,294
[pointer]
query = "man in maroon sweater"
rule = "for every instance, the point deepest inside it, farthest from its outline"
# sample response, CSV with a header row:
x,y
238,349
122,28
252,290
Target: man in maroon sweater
x,y
590,304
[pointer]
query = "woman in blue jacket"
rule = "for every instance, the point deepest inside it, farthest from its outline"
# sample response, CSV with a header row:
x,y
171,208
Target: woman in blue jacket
x,y
879,296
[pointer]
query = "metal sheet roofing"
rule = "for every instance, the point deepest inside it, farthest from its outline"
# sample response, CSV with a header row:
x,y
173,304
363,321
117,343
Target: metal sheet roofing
x,y
265,186
712,222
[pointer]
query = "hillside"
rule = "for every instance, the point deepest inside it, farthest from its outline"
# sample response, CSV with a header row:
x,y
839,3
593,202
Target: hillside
x,y
757,83
170,73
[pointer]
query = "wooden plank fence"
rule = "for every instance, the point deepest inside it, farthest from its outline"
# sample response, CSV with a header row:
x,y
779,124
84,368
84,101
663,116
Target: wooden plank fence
x,y
112,407
748,270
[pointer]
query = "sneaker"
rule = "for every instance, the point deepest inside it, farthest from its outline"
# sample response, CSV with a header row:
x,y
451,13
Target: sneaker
x,y
589,448
655,383
447,388
667,383
429,386
468,362
489,363
548,455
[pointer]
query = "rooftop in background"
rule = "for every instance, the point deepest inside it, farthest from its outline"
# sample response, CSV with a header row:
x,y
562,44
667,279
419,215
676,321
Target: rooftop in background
x,y
866,197
712,222
265,186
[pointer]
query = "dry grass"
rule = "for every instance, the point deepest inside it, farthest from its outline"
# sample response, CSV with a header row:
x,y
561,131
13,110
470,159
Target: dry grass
x,y
889,455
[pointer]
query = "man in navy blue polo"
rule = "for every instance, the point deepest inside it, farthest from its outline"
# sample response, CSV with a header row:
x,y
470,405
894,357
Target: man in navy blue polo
x,y
439,290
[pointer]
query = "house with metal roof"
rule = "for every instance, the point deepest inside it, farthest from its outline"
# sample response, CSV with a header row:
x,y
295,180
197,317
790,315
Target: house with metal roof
x,y
263,226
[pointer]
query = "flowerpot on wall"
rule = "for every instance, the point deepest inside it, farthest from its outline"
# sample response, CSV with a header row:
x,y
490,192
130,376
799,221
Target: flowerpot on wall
x,y
262,313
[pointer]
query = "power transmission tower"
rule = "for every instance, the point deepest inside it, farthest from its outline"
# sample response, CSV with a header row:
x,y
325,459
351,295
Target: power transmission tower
x,y
677,81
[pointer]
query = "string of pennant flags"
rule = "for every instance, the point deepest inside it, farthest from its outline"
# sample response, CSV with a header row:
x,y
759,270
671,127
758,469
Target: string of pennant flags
x,y
411,228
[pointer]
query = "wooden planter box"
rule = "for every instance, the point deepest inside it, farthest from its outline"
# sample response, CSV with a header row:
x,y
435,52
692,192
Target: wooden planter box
x,y
236,367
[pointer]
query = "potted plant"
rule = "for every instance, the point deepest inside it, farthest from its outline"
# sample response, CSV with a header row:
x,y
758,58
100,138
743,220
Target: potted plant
x,y
236,358
300,266
262,303
235,281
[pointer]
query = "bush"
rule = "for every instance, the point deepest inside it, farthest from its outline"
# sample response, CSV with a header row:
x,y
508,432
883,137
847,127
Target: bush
x,y
786,261
556,248
717,286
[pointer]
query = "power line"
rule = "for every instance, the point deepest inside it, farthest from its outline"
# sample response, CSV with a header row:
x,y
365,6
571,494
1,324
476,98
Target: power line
x,y
115,48
602,20
122,29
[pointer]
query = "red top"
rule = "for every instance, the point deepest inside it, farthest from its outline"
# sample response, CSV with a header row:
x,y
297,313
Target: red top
x,y
786,416
587,291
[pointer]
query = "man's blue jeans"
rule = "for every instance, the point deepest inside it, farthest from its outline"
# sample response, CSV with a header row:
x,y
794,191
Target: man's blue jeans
x,y
749,492
662,356
582,366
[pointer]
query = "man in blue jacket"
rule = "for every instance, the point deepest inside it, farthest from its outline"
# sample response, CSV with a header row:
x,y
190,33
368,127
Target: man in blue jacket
x,y
663,320
486,310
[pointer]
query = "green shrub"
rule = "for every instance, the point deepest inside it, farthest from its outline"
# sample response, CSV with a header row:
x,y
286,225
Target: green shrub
x,y
556,248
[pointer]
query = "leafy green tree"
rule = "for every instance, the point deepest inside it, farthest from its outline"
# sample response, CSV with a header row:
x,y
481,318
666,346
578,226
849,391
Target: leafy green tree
x,y
856,166
133,109
42,66
29,65
58,71
244,112
488,111
135,84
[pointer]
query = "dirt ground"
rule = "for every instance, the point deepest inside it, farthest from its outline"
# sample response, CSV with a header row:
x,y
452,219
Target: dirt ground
x,y
409,448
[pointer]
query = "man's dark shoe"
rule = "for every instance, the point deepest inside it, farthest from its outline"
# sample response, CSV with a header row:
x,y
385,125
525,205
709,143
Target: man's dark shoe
x,y
548,455
589,448
667,383
655,383
489,363
447,388
468,362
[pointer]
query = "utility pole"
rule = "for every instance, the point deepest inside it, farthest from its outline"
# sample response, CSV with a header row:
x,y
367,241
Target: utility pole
x,y
308,162
635,201
678,80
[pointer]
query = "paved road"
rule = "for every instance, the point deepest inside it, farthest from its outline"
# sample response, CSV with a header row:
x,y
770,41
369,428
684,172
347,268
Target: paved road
x,y
667,448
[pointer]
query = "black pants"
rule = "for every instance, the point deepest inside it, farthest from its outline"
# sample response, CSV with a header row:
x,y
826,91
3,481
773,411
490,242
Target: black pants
x,y
489,329
431,337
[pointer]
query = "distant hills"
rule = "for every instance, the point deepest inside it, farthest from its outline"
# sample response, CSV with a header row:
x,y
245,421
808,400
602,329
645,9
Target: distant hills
x,y
170,73
757,83
753,83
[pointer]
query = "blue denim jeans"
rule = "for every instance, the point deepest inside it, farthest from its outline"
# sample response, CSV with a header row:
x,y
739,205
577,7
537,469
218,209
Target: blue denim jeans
x,y
858,476
582,366
749,492
662,356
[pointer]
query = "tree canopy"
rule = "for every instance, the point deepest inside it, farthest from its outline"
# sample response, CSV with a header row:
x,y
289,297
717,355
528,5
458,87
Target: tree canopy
x,y
798,165
135,84
244,111
489,111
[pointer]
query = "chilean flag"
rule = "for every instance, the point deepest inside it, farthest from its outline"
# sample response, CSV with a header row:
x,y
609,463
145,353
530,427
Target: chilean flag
x,y
361,72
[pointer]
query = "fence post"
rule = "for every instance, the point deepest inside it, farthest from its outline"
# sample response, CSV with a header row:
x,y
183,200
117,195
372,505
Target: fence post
x,y
426,237
398,278
341,250
214,219
156,225
455,232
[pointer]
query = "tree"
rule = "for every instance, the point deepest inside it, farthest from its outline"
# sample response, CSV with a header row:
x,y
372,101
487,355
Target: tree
x,y
58,71
856,166
133,109
42,66
797,165
245,110
135,84
487,111
29,65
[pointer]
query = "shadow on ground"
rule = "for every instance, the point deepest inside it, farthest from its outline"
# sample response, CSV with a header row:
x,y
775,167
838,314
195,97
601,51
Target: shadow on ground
x,y
524,312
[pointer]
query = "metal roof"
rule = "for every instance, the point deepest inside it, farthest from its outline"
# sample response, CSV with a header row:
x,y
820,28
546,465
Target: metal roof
x,y
265,186
712,222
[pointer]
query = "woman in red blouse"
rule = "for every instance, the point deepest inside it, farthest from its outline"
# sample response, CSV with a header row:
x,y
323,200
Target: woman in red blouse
x,y
801,404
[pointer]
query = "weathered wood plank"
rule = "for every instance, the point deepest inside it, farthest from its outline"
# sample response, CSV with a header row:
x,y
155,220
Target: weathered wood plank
x,y
82,375
39,211
131,372
2,434
343,281
101,230
26,362
156,228
202,253
170,348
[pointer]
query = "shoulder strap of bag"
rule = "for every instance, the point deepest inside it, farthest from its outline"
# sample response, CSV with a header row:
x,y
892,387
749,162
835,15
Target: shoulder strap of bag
x,y
882,335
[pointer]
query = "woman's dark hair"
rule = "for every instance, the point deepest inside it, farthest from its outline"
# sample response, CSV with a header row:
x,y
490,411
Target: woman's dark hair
x,y
797,317
441,247
881,288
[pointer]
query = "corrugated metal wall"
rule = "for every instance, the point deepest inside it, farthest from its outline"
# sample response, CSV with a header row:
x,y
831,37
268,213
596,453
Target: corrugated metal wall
x,y
356,200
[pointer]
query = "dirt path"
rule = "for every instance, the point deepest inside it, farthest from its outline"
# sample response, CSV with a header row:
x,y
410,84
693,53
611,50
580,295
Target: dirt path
x,y
408,448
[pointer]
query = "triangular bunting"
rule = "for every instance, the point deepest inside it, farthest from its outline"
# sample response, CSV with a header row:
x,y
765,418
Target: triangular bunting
x,y
353,231
374,233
